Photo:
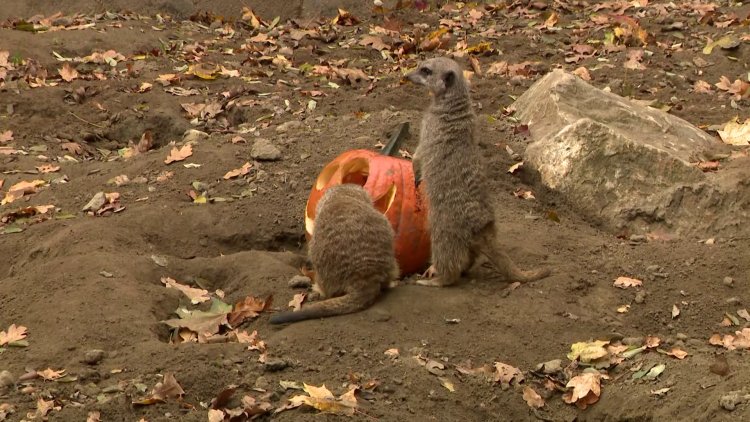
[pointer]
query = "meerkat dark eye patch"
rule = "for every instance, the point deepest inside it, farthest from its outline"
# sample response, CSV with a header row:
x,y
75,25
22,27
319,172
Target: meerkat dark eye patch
x,y
449,78
425,71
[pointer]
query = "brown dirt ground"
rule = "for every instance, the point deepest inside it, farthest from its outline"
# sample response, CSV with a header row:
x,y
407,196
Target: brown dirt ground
x,y
51,276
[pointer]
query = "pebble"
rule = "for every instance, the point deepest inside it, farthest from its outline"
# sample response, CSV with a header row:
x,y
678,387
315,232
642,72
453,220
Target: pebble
x,y
379,315
732,399
286,126
263,149
300,281
653,268
275,365
192,135
633,341
734,301
551,367
640,296
728,281
93,356
262,382
681,336
89,374
638,238
6,380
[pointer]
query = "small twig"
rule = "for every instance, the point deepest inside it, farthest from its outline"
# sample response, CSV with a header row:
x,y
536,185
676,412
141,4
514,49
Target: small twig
x,y
85,121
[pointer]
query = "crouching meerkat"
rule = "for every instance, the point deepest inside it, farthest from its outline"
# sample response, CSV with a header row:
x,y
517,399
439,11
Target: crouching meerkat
x,y
352,254
447,158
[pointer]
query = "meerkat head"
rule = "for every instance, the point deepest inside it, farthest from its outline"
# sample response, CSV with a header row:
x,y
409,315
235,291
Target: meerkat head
x,y
350,190
439,75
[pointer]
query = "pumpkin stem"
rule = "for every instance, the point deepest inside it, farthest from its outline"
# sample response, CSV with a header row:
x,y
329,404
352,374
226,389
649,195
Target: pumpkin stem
x,y
394,143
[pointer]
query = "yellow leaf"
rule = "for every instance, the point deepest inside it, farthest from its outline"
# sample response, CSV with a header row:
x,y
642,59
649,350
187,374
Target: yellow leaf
x,y
586,352
322,399
445,382
203,71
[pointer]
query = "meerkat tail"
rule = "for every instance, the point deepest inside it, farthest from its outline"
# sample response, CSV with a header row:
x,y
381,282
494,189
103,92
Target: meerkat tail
x,y
503,264
340,305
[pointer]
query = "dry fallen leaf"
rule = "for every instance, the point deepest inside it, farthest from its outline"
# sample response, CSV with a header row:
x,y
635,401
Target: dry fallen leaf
x,y
675,311
20,189
678,353
15,333
47,168
68,73
582,73
6,136
586,389
179,154
588,351
523,194
168,388
215,415
506,374
296,302
741,340
625,282
252,339
515,167
248,308
195,295
735,133
532,398
651,342
702,87
50,374
245,169
94,416
322,399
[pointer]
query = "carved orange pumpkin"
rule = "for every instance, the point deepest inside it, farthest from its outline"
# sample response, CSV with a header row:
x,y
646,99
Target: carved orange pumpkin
x,y
390,183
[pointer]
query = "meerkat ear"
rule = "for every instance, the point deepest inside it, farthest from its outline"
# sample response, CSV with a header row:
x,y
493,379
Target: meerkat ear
x,y
448,78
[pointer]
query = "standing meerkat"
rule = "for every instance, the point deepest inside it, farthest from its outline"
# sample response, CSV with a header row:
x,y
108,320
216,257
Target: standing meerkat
x,y
352,254
447,158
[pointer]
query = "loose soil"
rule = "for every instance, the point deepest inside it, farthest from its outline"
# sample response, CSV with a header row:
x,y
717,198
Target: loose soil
x,y
91,282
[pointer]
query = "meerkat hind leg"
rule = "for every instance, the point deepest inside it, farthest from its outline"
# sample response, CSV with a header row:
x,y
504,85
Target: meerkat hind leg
x,y
451,273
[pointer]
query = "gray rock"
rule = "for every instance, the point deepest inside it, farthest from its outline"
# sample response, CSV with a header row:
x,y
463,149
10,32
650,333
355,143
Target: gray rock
x,y
93,356
7,380
275,365
640,296
629,166
732,399
287,126
263,149
552,367
192,135
96,202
